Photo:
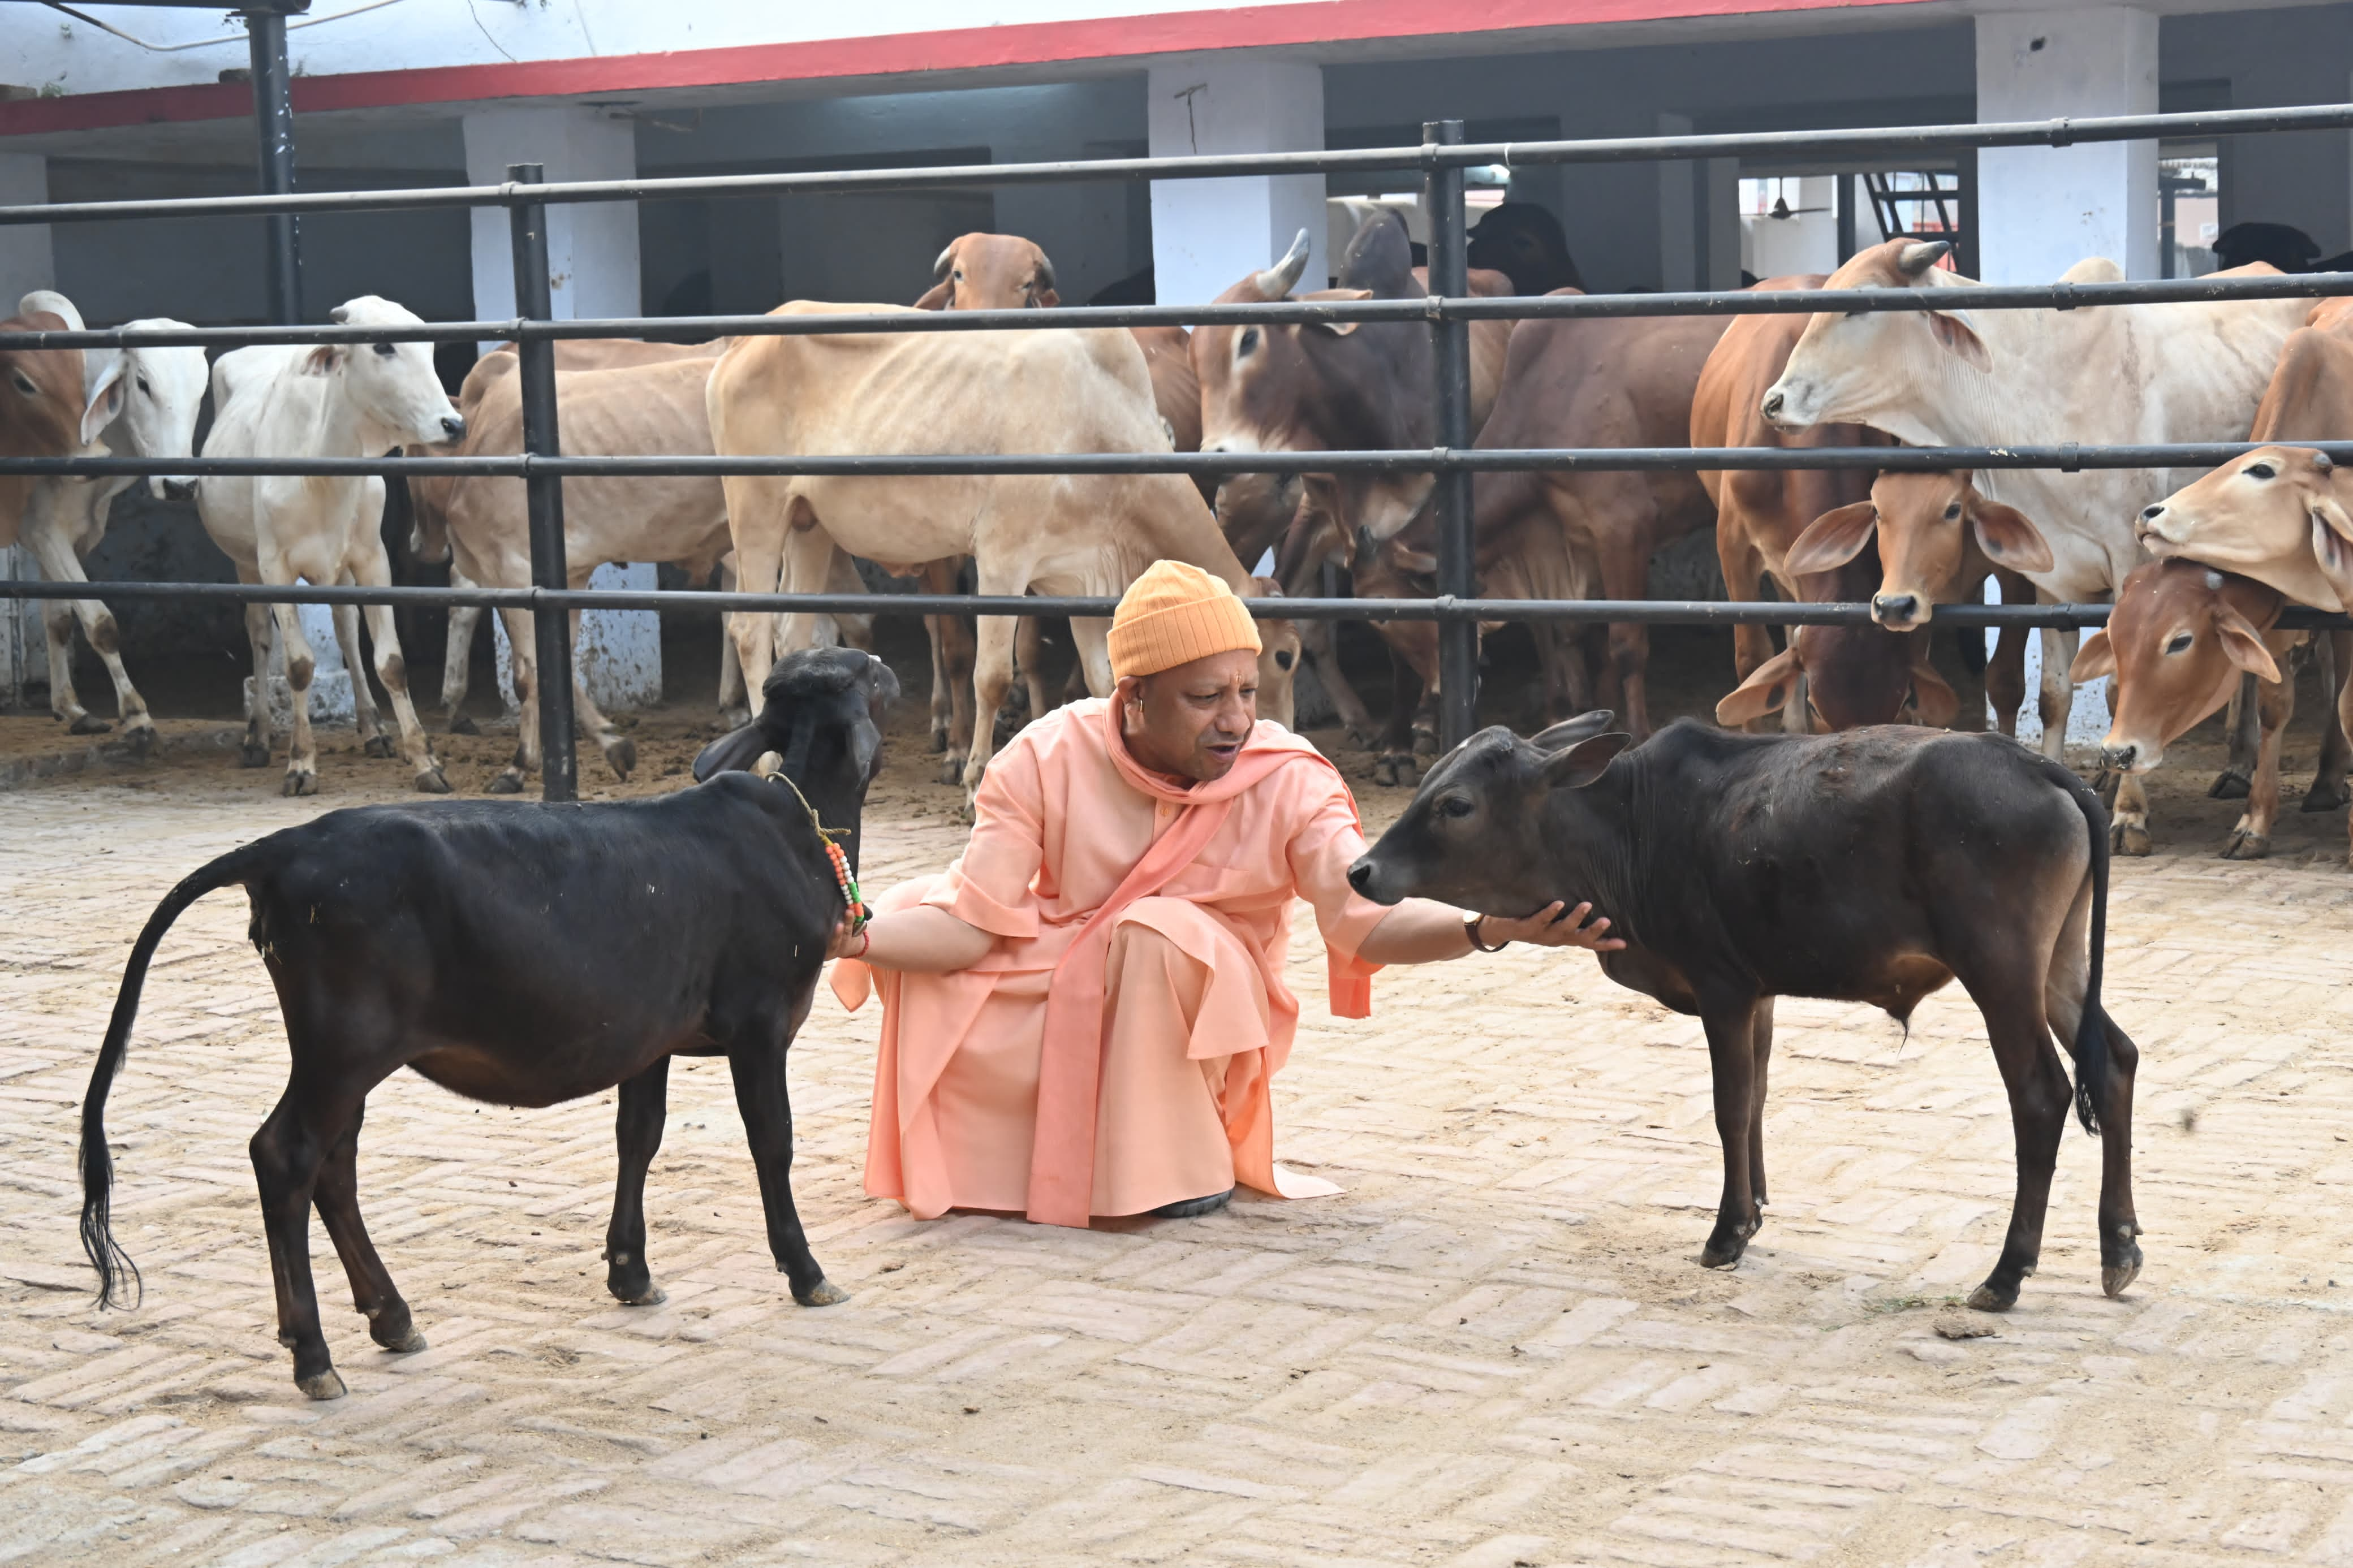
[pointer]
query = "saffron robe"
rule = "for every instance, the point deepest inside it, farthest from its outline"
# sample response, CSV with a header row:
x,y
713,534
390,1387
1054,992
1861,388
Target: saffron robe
x,y
1112,1051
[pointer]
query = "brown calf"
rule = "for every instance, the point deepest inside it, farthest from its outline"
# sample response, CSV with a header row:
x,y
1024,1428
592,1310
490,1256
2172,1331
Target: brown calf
x,y
41,409
1938,540
2177,643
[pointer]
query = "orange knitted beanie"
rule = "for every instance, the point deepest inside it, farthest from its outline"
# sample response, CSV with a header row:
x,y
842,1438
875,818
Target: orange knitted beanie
x,y
1173,615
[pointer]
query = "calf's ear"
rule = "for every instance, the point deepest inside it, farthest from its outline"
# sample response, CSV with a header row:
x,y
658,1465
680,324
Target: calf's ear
x,y
733,752
2095,659
1763,692
2332,545
2245,644
1956,337
1933,703
936,297
1832,539
2010,538
886,680
103,403
1583,762
1047,298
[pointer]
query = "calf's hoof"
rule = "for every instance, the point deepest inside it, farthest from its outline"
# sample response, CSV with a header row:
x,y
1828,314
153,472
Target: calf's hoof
x,y
646,1295
462,724
507,783
939,742
2325,797
621,756
378,745
89,724
1425,744
2244,845
2122,1266
2230,784
1988,1298
251,756
1395,768
2131,838
824,1293
431,780
139,740
952,770
300,784
327,1384
1727,1243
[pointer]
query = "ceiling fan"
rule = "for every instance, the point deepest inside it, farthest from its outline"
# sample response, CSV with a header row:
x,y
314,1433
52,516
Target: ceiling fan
x,y
1782,209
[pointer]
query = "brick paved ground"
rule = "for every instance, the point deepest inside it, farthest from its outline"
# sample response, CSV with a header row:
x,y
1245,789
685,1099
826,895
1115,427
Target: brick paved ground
x,y
1495,1349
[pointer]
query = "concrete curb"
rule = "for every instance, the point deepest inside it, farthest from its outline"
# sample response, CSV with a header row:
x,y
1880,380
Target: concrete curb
x,y
113,752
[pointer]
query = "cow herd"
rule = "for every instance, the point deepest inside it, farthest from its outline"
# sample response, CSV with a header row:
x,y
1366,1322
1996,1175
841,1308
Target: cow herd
x,y
2138,373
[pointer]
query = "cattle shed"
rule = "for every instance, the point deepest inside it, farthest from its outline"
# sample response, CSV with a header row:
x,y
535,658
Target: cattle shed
x,y
117,101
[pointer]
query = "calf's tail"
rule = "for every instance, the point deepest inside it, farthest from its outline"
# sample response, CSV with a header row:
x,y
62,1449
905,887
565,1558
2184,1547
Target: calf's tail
x,y
106,1255
2092,1028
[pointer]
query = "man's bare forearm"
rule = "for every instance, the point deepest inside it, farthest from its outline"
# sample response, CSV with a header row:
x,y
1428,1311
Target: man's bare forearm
x,y
923,941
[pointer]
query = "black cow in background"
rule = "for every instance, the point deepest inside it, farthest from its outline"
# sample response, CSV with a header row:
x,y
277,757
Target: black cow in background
x,y
1873,866
528,954
1526,243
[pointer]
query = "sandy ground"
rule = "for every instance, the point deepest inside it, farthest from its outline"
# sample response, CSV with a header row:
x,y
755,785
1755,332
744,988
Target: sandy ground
x,y
1494,1348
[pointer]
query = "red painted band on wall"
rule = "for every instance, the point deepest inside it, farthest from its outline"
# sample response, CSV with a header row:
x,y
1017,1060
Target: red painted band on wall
x,y
898,54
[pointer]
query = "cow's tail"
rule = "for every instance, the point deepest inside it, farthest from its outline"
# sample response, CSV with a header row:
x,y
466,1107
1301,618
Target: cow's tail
x,y
2092,1029
106,1254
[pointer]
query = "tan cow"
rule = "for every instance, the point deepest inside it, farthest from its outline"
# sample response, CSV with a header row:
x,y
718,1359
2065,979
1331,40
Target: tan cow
x,y
44,410
1938,539
2118,375
1024,392
2180,639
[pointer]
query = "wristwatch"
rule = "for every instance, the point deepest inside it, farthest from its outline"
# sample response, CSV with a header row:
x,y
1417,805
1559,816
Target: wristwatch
x,y
1471,923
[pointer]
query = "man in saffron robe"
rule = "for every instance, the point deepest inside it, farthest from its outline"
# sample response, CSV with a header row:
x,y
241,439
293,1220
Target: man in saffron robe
x,y
1082,1016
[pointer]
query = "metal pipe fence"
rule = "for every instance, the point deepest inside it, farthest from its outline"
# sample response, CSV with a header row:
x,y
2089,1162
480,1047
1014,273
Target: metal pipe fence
x,y
1447,312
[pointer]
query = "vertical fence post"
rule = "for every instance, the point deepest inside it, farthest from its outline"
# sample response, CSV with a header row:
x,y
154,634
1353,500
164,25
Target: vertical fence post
x,y
273,128
551,632
1450,274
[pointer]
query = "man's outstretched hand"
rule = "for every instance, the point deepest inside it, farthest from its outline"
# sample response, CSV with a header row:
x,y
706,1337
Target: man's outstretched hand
x,y
1554,925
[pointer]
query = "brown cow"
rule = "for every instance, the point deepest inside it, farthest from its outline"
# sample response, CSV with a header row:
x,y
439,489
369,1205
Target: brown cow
x,y
2310,398
2180,639
1850,676
1761,513
1600,383
1938,539
42,410
1323,386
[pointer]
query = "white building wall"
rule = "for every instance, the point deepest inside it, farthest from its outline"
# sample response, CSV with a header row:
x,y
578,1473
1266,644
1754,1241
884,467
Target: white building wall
x,y
1208,235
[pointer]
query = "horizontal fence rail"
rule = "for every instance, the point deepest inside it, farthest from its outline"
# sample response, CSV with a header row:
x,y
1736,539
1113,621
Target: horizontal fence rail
x,y
1651,611
2213,289
1429,155
2066,458
1447,314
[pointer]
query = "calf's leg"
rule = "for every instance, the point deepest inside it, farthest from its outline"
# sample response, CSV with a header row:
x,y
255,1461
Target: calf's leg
x,y
1731,1025
2120,1257
288,1154
374,742
760,1095
2274,706
301,752
337,1196
2038,1098
638,1130
457,665
260,626
392,668
2238,722
2327,791
2058,695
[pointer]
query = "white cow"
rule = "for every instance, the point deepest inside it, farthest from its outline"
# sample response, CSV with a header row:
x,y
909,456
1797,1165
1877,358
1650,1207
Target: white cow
x,y
2113,375
342,400
142,402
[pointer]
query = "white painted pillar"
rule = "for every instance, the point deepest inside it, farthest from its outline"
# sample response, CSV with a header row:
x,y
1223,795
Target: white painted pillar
x,y
2042,209
1207,235
592,263
1679,238
26,264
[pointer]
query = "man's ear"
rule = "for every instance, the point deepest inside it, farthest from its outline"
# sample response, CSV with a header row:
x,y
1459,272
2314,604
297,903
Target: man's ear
x,y
1833,540
2009,538
1933,702
2095,659
1583,762
2245,644
1763,692
1956,337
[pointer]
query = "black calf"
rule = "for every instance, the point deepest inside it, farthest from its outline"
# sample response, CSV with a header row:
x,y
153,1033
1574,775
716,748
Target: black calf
x,y
1873,866
529,955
